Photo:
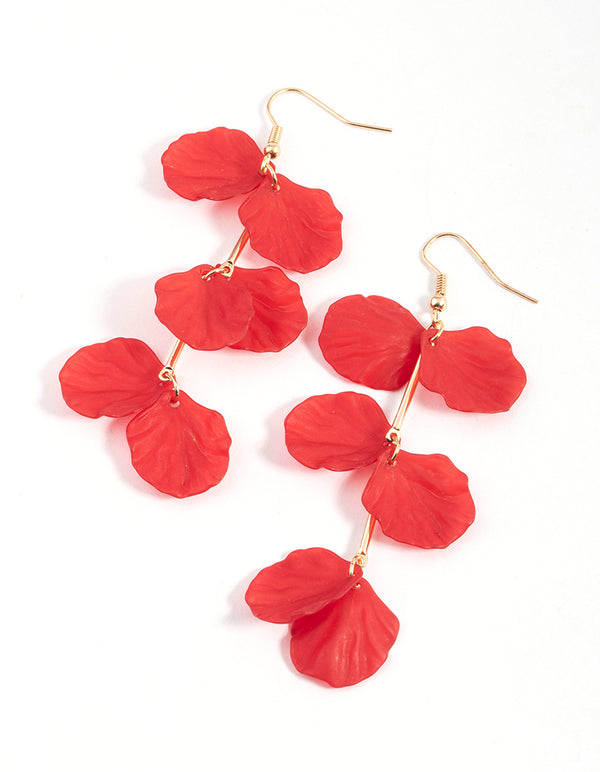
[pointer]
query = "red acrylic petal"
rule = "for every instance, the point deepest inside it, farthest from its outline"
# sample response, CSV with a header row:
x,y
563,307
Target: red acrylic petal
x,y
371,340
206,314
279,313
114,379
347,641
301,584
216,164
336,431
298,228
473,370
179,447
419,500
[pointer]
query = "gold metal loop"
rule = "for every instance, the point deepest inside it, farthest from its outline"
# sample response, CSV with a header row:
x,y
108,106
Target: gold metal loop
x,y
441,278
168,374
360,559
273,147
439,326
266,166
392,459
265,163
227,267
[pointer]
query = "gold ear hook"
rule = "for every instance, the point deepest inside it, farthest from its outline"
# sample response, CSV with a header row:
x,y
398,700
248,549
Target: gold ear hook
x,y
273,149
440,288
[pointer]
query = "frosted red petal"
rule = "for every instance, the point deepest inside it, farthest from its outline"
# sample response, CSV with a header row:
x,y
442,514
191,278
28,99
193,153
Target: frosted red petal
x,y
347,641
336,431
371,340
113,379
216,164
301,584
473,370
422,500
206,314
180,450
298,228
279,313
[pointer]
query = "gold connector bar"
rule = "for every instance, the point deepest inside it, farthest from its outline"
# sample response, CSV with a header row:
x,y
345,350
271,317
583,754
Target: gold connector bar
x,y
393,434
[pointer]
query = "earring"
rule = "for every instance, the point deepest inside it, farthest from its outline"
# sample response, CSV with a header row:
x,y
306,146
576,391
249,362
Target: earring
x,y
341,632
178,446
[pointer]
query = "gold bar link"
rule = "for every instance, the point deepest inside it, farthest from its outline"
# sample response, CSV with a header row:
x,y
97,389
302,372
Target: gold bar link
x,y
393,434
176,352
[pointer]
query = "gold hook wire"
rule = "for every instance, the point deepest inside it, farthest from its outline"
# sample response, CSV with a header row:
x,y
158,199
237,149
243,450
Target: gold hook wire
x,y
273,149
441,277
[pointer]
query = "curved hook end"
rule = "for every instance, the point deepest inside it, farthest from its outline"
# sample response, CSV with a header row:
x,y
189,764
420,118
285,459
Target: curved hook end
x,y
320,104
479,259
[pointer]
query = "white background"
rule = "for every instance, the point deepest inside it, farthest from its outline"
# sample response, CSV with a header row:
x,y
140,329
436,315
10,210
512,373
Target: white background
x,y
125,641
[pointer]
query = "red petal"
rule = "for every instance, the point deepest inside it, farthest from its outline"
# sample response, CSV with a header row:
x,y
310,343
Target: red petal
x,y
419,500
216,164
347,641
336,431
301,584
115,378
298,228
279,313
206,314
472,369
371,340
181,448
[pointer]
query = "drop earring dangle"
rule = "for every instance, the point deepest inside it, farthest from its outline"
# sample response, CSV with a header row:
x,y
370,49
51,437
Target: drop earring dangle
x,y
178,446
341,632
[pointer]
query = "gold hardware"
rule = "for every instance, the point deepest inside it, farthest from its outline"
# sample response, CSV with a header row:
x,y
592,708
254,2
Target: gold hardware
x,y
273,148
361,557
393,433
439,326
440,286
168,371
439,302
266,165
227,267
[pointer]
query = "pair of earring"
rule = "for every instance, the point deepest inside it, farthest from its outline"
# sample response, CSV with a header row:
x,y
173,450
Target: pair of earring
x,y
341,632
